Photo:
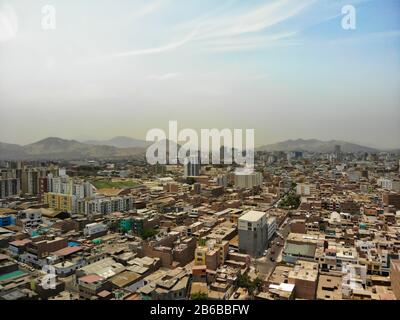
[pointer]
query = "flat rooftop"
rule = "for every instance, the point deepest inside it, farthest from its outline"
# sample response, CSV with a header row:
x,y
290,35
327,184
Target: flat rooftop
x,y
252,216
329,287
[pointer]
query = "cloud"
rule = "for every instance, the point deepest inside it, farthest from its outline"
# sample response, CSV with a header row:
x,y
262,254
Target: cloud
x,y
154,50
251,43
257,19
226,31
148,9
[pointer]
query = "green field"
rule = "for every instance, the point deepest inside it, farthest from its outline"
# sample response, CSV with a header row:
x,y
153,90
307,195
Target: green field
x,y
109,184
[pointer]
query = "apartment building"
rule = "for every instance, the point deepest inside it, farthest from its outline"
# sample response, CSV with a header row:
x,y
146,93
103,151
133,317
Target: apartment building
x,y
253,233
62,202
247,179
10,185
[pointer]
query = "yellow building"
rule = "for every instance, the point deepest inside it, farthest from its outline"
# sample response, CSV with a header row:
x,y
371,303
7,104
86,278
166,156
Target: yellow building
x,y
200,255
212,254
62,202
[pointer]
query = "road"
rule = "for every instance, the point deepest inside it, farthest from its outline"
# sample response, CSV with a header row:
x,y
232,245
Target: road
x,y
264,265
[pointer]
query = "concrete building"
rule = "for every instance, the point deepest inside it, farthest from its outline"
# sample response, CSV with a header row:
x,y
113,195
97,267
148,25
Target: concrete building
x,y
95,230
299,246
305,278
305,189
247,179
329,287
192,167
29,218
222,180
391,199
271,227
30,179
212,255
62,202
253,233
10,185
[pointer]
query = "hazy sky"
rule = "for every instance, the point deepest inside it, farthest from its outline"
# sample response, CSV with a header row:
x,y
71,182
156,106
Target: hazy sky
x,y
286,68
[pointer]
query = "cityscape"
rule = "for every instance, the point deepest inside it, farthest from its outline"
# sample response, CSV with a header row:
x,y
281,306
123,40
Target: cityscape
x,y
278,177
301,225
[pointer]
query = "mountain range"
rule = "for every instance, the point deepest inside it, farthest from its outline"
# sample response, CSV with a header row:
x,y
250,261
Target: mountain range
x,y
120,142
318,146
61,149
125,147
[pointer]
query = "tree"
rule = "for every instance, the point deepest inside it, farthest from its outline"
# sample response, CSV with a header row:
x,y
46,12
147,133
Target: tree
x,y
148,233
244,281
199,296
290,201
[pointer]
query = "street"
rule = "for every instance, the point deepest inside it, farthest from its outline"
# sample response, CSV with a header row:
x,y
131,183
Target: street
x,y
264,265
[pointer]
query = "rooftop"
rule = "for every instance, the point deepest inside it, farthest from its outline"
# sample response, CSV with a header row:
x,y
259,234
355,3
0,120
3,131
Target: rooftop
x,y
252,216
91,278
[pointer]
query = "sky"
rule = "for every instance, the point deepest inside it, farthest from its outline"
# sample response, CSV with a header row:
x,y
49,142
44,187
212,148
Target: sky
x,y
287,69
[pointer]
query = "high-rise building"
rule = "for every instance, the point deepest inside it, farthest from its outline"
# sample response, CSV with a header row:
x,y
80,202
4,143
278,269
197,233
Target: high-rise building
x,y
9,184
192,167
253,233
222,180
338,152
271,227
247,179
30,180
62,202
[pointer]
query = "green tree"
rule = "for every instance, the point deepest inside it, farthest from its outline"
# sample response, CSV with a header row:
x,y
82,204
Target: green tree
x,y
290,201
199,296
148,233
244,281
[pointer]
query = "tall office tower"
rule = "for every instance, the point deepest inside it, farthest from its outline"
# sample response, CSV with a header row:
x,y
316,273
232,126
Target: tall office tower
x,y
197,188
30,180
247,179
14,164
222,180
9,184
62,172
253,233
192,167
338,152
